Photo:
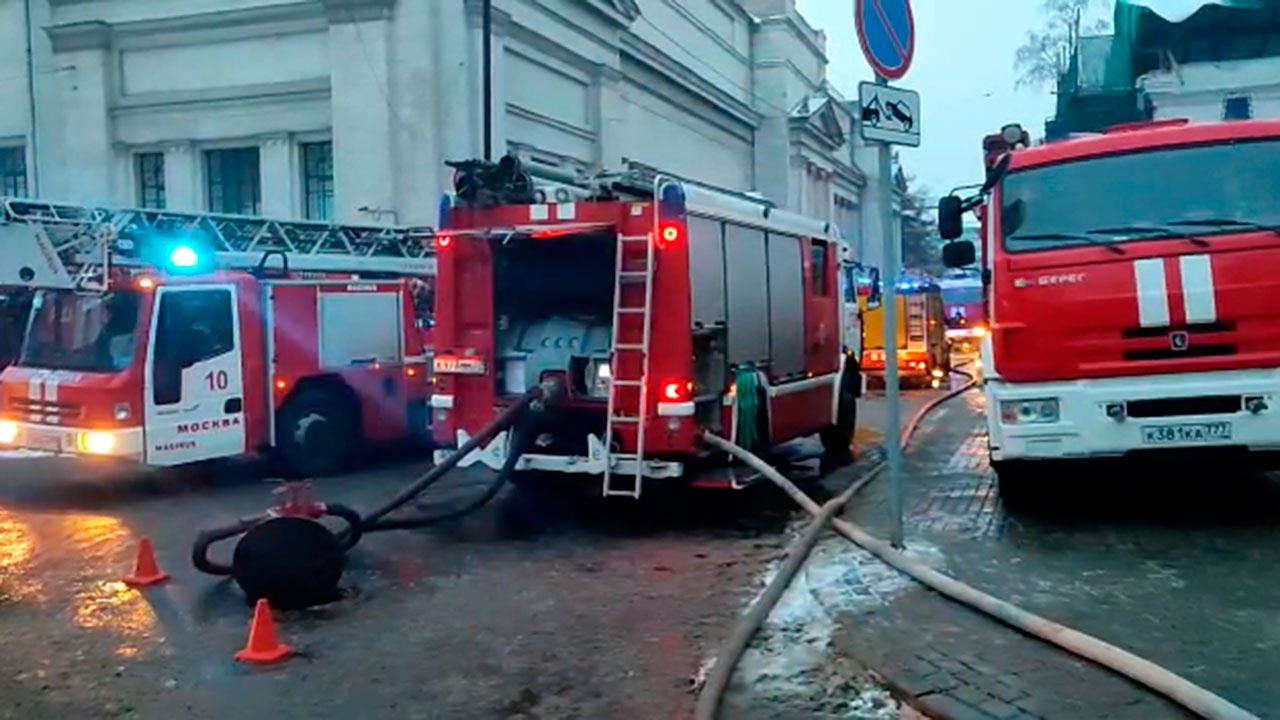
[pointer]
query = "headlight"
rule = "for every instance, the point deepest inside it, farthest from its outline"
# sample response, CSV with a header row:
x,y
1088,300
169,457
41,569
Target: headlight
x,y
980,331
96,443
8,431
599,377
1029,412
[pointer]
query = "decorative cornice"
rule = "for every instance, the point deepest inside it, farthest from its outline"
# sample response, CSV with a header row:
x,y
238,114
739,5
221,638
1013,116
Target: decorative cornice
x,y
606,73
354,11
73,37
621,12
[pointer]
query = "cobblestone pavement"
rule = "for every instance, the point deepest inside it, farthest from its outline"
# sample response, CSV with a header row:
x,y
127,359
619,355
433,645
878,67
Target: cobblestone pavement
x,y
1173,563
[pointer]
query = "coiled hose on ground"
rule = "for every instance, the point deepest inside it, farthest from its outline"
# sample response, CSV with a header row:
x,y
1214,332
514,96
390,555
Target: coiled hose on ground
x,y
1154,677
302,537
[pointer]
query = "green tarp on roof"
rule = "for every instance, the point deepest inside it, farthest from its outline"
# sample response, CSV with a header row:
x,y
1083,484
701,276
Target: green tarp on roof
x,y
1202,29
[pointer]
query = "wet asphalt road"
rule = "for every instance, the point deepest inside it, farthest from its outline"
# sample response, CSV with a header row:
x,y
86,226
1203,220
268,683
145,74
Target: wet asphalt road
x,y
1174,562
540,606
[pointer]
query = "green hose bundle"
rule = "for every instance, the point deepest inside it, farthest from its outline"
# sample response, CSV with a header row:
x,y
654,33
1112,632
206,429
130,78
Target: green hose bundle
x,y
748,405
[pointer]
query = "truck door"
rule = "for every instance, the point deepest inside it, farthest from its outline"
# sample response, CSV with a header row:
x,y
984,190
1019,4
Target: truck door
x,y
194,384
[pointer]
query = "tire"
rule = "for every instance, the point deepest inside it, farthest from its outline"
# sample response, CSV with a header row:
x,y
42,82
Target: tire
x,y
316,433
1021,484
837,439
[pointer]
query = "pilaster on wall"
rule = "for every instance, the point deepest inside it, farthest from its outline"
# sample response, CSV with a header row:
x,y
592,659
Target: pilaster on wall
x,y
363,109
609,116
279,171
84,91
182,178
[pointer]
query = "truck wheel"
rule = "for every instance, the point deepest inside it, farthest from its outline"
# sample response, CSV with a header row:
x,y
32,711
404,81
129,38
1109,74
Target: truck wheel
x,y
316,433
837,439
1020,485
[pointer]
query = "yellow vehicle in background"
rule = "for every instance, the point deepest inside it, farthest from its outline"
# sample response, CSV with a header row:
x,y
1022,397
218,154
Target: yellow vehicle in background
x,y
924,356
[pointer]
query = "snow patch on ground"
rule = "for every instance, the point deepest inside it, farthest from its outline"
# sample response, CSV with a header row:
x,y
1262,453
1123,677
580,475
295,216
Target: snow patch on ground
x,y
790,659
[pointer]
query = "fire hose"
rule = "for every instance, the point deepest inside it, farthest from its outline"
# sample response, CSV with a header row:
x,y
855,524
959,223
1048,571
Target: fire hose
x,y
1156,678
287,556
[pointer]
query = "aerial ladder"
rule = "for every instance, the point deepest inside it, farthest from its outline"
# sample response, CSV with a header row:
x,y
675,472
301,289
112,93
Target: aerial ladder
x,y
75,247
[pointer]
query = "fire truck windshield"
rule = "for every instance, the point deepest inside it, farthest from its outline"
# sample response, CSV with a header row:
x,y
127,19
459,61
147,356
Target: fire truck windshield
x,y
84,332
961,294
1188,192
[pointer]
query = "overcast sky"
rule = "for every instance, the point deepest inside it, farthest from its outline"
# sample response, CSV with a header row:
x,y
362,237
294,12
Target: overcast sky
x,y
963,71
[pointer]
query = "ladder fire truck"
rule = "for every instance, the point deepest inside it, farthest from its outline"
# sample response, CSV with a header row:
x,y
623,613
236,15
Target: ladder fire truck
x,y
666,308
964,310
169,338
1128,281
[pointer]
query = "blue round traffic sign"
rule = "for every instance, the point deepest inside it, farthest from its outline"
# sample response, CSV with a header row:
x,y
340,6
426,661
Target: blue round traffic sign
x,y
887,33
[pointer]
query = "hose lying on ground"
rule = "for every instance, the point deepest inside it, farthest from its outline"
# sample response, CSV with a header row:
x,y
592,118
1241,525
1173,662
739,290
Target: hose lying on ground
x,y
1145,672
722,669
377,520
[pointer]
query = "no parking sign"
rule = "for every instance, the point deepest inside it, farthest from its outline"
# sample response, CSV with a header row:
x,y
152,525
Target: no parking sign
x,y
887,33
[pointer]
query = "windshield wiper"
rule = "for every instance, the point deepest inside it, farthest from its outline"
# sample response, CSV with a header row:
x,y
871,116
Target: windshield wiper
x,y
1156,230
1071,236
1227,223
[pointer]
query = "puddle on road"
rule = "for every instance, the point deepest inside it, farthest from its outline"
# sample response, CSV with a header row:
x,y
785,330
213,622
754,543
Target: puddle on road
x,y
791,658
17,548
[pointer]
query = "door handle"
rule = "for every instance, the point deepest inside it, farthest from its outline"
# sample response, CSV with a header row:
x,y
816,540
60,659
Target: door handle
x,y
233,406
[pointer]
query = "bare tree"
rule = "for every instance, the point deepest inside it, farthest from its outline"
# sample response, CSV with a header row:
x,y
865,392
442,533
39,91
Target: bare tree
x,y
1046,53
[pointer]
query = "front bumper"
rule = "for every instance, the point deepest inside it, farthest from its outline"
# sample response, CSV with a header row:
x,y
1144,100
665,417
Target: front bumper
x,y
1084,429
119,443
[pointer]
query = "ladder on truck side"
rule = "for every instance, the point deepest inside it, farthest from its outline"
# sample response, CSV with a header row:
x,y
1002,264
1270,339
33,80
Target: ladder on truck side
x,y
75,246
629,484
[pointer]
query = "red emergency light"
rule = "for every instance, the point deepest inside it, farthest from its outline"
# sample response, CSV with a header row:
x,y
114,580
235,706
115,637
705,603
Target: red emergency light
x,y
443,241
676,391
669,234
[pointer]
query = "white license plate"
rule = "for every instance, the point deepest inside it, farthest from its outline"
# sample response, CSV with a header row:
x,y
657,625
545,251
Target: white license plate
x,y
458,365
1186,433
44,440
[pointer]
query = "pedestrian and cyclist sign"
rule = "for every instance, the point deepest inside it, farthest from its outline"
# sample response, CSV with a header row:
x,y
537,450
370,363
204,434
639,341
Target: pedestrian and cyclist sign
x,y
887,33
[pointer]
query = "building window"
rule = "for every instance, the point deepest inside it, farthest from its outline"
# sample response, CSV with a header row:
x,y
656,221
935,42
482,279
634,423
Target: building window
x,y
150,170
317,180
234,182
819,258
1237,108
13,171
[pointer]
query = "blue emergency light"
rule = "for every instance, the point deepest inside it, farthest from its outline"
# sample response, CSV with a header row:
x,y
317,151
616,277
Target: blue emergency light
x,y
184,257
671,203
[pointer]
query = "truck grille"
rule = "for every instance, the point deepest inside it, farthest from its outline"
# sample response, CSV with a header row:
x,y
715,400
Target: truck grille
x,y
45,411
1172,407
1155,343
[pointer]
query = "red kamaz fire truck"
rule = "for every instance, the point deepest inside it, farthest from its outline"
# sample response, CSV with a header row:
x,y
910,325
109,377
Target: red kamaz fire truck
x,y
169,338
666,308
1128,275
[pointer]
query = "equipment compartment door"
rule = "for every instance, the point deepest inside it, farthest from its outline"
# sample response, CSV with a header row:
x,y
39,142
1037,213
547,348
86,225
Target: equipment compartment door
x,y
195,386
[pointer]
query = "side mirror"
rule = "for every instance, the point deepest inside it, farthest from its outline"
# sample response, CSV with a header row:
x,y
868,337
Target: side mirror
x,y
958,254
950,217
996,173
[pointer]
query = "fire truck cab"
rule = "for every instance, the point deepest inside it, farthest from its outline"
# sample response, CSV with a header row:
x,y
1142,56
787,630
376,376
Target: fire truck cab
x,y
1128,276
168,339
666,308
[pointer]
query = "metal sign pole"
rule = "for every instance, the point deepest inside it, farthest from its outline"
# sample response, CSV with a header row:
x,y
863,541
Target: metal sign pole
x,y
889,295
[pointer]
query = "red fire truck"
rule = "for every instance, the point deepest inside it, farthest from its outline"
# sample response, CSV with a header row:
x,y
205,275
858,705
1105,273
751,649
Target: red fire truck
x,y
168,338
964,311
1128,276
666,308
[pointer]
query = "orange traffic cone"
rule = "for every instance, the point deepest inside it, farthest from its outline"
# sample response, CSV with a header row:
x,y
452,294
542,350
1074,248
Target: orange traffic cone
x,y
146,571
263,648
